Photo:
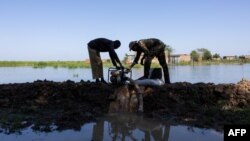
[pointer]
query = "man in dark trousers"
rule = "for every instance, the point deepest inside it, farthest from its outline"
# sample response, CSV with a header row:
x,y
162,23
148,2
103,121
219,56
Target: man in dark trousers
x,y
102,45
151,48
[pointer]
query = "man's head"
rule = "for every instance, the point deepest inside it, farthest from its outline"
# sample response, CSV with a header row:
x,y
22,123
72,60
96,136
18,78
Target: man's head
x,y
117,44
133,45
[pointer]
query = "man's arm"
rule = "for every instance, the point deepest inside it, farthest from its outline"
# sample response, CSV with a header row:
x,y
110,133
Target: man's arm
x,y
114,58
137,57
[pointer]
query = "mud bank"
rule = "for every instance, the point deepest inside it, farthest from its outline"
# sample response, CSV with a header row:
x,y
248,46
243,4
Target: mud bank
x,y
47,105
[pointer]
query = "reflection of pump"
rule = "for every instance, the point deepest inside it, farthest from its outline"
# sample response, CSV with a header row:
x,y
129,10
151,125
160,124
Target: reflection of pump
x,y
130,127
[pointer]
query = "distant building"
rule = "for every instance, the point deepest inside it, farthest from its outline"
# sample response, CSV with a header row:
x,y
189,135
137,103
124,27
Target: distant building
x,y
216,58
86,61
247,56
177,58
229,57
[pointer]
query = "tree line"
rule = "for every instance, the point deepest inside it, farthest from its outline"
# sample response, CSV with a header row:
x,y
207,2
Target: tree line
x,y
203,54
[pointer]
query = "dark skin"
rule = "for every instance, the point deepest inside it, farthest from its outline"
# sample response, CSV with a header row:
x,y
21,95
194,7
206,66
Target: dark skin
x,y
139,50
106,45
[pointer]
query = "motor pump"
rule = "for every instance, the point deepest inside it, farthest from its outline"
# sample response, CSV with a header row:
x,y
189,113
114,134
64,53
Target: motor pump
x,y
119,76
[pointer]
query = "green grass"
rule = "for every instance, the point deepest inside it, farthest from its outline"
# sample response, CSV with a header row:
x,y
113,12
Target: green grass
x,y
85,64
55,64
42,64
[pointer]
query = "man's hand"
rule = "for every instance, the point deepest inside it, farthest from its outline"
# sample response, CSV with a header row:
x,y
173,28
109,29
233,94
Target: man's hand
x,y
119,67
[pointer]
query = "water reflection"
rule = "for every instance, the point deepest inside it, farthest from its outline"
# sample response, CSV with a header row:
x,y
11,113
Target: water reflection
x,y
131,127
121,127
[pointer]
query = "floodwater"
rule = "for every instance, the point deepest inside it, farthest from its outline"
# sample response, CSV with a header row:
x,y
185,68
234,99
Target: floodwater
x,y
194,74
122,127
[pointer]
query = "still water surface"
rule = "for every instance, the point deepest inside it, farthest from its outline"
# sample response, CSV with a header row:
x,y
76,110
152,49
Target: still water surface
x,y
126,127
211,73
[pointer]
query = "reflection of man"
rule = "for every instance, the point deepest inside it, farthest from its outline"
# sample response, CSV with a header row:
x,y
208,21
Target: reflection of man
x,y
123,127
102,45
98,131
151,48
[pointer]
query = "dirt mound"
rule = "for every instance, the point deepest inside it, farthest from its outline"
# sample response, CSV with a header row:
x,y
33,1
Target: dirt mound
x,y
45,105
202,104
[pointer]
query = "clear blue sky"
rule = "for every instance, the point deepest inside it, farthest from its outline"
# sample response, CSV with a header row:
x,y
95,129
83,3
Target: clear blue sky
x,y
60,29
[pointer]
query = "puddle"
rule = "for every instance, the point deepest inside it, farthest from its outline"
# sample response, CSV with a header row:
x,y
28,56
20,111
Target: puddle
x,y
121,127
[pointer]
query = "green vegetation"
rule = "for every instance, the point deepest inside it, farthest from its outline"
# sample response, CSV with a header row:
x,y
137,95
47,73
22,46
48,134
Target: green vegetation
x,y
203,56
194,55
200,56
107,63
42,64
216,55
213,62
55,64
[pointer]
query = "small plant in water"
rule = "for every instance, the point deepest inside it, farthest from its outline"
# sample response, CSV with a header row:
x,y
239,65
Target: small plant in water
x,y
75,75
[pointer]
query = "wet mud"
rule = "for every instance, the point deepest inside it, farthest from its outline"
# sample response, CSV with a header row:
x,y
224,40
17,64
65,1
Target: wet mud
x,y
48,106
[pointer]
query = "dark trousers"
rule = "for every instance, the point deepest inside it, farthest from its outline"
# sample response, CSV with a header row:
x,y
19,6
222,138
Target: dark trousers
x,y
162,60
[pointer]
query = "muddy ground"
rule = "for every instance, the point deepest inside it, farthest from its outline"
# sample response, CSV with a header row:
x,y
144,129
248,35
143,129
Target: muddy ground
x,y
44,105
